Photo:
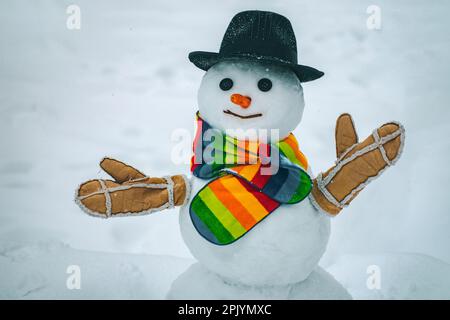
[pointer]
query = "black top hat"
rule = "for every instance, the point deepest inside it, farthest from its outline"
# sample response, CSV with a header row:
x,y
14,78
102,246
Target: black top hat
x,y
258,35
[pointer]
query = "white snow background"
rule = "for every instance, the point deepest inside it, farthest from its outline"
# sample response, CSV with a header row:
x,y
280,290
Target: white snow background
x,y
122,84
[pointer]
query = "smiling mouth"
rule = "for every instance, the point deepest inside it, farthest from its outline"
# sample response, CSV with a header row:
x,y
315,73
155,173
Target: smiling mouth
x,y
241,116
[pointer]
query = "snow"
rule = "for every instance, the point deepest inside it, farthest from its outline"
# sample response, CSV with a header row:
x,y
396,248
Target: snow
x,y
122,84
40,271
199,283
402,276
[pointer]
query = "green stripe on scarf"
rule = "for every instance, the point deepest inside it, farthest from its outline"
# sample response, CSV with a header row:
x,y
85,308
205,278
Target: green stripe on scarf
x,y
209,219
222,214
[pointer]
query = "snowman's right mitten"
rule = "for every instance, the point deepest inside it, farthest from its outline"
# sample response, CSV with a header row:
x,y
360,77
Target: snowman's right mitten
x,y
131,193
357,163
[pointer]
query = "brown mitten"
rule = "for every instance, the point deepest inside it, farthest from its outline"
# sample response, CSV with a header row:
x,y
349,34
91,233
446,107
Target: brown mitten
x,y
357,163
132,193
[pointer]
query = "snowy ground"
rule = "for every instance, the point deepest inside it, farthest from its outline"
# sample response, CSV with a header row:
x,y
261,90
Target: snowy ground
x,y
402,276
122,84
47,270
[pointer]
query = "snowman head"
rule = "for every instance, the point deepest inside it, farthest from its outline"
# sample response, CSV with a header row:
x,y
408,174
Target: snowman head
x,y
240,96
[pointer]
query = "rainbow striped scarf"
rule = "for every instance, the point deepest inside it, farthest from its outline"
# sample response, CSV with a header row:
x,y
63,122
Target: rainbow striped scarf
x,y
241,194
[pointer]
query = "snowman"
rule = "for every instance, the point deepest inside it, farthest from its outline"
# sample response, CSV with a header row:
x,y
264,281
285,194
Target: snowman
x,y
252,213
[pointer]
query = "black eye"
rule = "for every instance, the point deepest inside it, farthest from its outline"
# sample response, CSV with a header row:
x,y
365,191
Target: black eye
x,y
264,84
226,84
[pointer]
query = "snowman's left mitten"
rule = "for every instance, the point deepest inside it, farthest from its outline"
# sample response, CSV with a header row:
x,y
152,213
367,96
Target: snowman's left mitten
x,y
357,163
129,197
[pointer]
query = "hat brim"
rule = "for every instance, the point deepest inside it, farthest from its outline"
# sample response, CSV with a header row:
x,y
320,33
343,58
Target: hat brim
x,y
205,60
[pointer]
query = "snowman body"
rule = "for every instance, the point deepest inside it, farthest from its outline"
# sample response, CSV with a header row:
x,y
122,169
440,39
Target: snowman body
x,y
283,249
287,246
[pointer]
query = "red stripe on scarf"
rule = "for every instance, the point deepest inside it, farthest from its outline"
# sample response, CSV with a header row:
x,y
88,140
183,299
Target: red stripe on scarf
x,y
265,201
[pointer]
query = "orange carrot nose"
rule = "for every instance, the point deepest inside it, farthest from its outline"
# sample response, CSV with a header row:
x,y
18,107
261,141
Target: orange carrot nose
x,y
241,100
